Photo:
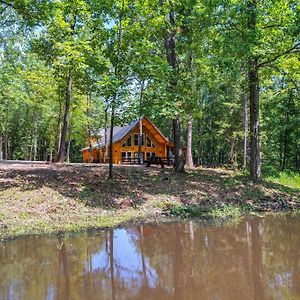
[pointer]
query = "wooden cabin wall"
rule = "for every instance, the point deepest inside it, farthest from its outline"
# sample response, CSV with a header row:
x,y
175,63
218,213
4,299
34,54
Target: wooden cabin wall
x,y
160,150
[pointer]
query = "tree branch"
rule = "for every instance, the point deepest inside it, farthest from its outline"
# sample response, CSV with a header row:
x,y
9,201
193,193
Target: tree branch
x,y
3,9
295,48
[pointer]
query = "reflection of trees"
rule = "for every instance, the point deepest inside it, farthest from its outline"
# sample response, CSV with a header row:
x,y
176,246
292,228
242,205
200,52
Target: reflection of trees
x,y
253,259
255,270
63,291
111,263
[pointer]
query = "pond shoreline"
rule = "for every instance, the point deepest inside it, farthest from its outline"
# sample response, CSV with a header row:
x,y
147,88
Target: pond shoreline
x,y
43,199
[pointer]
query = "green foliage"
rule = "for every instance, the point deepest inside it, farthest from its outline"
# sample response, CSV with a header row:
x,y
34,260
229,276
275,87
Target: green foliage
x,y
115,53
289,179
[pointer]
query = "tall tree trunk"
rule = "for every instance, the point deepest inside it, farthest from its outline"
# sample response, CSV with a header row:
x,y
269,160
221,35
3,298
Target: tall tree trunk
x,y
286,132
59,124
1,147
179,165
89,126
110,175
5,156
255,171
200,146
26,146
35,137
170,47
105,135
199,154
245,126
51,155
68,150
233,154
189,156
140,140
31,148
45,151
140,122
61,153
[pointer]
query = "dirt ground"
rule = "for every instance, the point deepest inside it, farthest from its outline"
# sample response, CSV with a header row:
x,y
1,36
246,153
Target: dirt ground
x,y
36,197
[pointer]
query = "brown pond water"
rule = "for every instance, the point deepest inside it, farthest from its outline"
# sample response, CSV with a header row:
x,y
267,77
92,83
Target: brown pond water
x,y
256,258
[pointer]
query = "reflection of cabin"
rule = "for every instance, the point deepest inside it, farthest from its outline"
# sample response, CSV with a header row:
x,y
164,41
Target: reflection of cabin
x,y
126,144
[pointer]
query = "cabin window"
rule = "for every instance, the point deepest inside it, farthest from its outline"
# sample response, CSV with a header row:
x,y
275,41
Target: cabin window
x,y
150,154
136,139
128,142
149,143
126,155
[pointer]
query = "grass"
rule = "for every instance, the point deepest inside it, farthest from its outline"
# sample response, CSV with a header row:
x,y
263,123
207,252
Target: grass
x,y
228,211
46,199
288,179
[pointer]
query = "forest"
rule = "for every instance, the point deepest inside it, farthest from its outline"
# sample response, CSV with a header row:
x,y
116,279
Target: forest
x,y
220,77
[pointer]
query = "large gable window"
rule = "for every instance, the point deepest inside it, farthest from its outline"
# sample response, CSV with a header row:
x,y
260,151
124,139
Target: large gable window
x,y
149,143
128,142
136,139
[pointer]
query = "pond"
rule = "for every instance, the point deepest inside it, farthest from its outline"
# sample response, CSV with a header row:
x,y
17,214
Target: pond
x,y
255,258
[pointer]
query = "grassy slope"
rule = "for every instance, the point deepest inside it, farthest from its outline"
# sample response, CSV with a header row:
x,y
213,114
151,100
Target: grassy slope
x,y
52,198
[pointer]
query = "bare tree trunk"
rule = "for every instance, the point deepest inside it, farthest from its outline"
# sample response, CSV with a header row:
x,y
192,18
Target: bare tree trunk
x,y
89,126
105,137
199,154
1,147
45,154
200,146
286,132
245,125
255,171
51,155
61,153
140,141
179,165
31,148
140,122
68,150
59,124
170,47
233,154
35,137
189,156
110,175
26,146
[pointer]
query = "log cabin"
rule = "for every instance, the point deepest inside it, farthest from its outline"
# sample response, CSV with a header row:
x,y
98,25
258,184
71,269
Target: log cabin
x,y
127,140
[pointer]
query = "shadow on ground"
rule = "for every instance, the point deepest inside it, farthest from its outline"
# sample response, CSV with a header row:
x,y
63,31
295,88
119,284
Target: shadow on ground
x,y
133,186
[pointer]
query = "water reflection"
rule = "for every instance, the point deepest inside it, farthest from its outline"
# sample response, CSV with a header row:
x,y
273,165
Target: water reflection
x,y
257,258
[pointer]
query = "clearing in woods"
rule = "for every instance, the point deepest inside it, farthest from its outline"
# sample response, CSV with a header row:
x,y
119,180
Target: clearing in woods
x,y
37,198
